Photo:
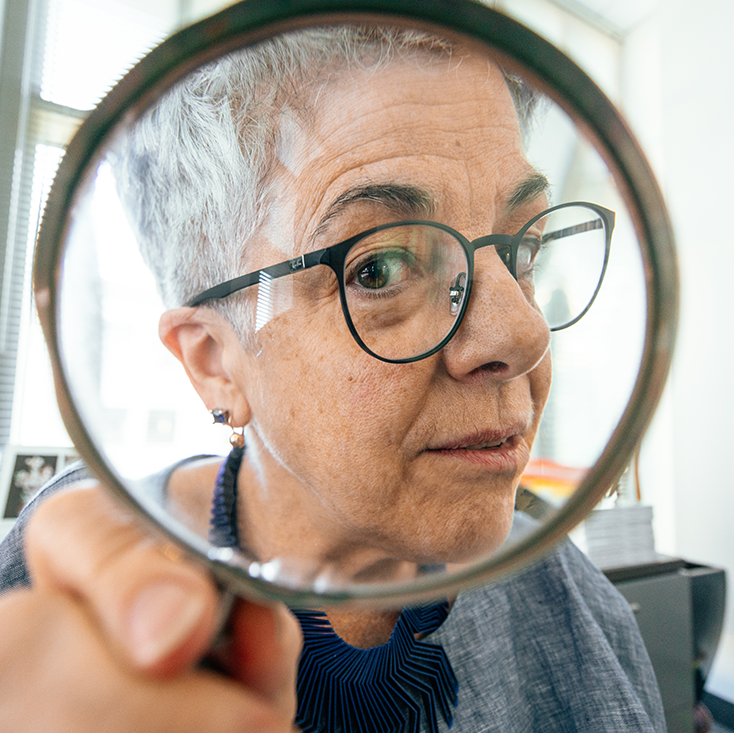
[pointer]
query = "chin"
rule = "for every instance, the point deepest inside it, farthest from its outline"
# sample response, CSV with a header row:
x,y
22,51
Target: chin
x,y
462,537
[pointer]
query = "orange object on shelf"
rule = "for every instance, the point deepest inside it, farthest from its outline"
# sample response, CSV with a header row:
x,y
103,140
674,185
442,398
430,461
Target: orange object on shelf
x,y
551,481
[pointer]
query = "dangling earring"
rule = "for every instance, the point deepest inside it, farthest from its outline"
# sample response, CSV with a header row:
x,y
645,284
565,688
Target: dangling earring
x,y
222,417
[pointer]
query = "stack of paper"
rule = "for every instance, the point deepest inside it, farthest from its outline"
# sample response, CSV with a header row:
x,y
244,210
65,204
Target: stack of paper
x,y
620,536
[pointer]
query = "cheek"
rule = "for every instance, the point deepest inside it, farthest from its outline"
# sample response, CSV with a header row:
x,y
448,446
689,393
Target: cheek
x,y
384,397
316,393
540,383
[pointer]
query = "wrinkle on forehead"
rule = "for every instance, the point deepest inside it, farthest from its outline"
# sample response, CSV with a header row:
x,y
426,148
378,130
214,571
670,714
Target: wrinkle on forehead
x,y
383,127
322,96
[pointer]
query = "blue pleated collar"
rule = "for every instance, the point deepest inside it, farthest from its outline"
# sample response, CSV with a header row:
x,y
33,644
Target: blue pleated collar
x,y
344,689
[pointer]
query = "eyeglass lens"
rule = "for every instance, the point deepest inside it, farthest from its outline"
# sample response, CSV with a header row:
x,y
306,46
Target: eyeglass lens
x,y
405,285
569,264
404,288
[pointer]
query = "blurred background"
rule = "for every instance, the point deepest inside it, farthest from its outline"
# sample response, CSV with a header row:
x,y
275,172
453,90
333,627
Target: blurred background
x,y
666,63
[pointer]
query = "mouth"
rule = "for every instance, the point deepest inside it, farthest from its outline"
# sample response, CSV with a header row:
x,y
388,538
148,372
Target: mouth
x,y
496,450
484,446
485,441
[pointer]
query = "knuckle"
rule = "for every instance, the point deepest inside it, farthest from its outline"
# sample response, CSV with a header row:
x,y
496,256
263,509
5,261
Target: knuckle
x,y
74,534
81,542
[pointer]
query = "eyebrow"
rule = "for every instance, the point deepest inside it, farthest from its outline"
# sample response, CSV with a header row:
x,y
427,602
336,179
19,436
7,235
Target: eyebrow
x,y
402,198
528,189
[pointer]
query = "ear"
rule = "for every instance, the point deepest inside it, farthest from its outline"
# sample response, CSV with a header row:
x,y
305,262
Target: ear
x,y
208,348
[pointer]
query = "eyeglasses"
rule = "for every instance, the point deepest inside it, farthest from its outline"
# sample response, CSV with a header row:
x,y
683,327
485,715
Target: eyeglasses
x,y
405,286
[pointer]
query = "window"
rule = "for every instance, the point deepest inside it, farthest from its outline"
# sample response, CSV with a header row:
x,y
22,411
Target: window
x,y
59,58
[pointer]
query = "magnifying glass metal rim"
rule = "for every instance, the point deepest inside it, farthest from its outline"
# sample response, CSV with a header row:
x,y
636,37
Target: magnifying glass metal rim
x,y
518,49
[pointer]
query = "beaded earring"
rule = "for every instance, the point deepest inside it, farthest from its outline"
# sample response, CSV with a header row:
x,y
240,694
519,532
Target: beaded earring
x,y
222,417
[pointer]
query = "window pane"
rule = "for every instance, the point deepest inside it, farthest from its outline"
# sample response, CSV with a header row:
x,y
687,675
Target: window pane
x,y
90,43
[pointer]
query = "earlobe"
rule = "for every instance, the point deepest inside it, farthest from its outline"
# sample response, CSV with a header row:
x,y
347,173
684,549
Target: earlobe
x,y
202,340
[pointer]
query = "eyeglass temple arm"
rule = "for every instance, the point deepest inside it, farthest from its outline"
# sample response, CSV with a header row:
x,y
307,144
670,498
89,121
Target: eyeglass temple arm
x,y
587,226
303,262
506,239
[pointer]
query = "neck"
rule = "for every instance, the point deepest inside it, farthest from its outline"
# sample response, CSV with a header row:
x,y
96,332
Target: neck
x,y
277,517
363,629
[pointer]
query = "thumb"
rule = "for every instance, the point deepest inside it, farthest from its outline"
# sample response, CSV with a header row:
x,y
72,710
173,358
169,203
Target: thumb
x,y
156,610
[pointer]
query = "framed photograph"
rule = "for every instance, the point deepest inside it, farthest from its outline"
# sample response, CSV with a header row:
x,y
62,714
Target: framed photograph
x,y
25,470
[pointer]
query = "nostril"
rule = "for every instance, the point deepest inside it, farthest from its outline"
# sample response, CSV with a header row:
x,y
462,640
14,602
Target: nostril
x,y
496,367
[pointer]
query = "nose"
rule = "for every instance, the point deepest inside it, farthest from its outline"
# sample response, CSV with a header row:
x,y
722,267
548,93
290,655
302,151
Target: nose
x,y
502,334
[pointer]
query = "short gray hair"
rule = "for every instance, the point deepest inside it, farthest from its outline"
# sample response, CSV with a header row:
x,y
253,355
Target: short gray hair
x,y
194,173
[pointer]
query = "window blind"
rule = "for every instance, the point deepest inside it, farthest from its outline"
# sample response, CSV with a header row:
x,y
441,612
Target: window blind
x,y
58,58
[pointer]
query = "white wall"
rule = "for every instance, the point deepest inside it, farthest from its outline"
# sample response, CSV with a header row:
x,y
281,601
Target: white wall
x,y
678,91
676,87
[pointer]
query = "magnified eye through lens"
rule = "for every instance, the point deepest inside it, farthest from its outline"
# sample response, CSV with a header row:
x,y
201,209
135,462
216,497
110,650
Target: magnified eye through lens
x,y
562,259
400,284
382,272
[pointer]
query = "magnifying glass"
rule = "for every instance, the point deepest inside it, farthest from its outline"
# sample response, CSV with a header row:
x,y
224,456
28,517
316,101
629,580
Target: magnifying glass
x,y
365,233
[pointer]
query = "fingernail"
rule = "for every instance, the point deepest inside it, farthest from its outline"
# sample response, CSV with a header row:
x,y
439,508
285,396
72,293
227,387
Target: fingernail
x,y
161,618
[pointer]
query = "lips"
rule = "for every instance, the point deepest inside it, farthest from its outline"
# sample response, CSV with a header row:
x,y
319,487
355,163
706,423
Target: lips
x,y
485,446
494,450
486,440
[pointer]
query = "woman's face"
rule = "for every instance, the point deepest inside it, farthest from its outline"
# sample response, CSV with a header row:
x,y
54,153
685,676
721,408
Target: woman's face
x,y
414,461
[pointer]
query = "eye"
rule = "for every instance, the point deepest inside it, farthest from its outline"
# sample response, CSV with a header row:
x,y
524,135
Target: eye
x,y
527,253
378,271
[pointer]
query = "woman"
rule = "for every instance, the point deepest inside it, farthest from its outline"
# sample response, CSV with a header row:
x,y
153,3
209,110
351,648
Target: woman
x,y
411,451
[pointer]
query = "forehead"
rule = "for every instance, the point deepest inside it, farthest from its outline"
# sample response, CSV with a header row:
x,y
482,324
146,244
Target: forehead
x,y
446,126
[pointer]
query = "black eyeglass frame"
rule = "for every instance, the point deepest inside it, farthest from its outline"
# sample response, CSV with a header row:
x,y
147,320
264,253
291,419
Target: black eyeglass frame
x,y
335,256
